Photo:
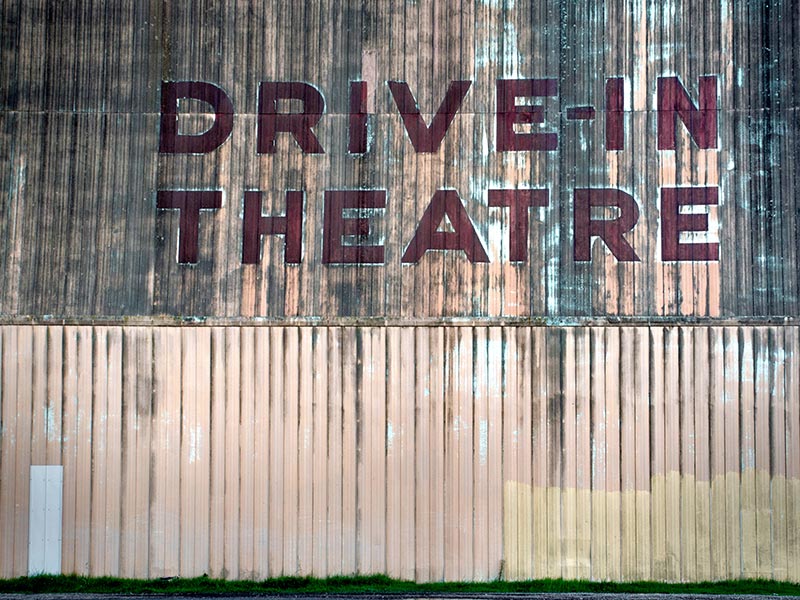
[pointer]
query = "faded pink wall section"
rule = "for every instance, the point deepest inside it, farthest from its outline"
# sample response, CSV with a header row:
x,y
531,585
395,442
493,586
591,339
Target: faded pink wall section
x,y
428,453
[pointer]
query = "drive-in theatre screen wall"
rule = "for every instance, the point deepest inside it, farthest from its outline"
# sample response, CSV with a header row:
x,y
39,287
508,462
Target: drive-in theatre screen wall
x,y
445,290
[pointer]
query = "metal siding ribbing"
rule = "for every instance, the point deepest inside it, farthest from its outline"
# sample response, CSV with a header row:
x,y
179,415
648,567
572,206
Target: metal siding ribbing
x,y
83,237
458,453
415,419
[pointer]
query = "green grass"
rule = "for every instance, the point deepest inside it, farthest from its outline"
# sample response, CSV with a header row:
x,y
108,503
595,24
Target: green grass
x,y
377,584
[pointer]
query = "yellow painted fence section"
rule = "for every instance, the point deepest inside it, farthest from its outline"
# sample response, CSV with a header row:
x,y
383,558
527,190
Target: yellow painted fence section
x,y
429,453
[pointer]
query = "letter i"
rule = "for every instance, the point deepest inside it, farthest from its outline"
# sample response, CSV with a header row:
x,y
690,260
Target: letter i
x,y
615,116
358,117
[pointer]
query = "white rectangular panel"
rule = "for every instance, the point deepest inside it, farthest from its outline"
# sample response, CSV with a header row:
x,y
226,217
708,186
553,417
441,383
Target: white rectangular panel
x,y
44,540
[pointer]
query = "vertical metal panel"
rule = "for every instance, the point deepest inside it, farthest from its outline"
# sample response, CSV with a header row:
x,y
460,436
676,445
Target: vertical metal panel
x,y
489,451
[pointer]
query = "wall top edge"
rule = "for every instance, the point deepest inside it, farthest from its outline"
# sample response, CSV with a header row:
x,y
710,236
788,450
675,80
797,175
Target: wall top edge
x,y
605,321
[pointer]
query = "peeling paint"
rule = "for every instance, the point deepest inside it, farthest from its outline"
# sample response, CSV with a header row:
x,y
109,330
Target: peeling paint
x,y
195,443
389,435
483,441
50,424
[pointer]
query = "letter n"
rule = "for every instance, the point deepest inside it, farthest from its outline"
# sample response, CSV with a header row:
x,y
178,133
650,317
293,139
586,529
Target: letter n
x,y
674,103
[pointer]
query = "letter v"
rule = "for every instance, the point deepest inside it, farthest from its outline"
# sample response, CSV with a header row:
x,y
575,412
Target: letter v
x,y
423,138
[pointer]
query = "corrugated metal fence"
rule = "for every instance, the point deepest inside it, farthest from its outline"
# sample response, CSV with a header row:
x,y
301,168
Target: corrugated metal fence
x,y
453,452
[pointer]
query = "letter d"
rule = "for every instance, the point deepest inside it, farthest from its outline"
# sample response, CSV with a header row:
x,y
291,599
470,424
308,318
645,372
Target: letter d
x,y
172,142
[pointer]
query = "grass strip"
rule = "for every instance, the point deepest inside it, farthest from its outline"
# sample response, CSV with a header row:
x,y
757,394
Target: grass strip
x,y
376,584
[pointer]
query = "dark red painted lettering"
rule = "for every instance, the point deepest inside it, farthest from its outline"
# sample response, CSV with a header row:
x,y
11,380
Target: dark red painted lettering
x,y
270,121
673,222
674,102
172,142
611,231
189,203
358,117
427,237
581,113
423,138
615,122
509,114
336,226
256,225
519,201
